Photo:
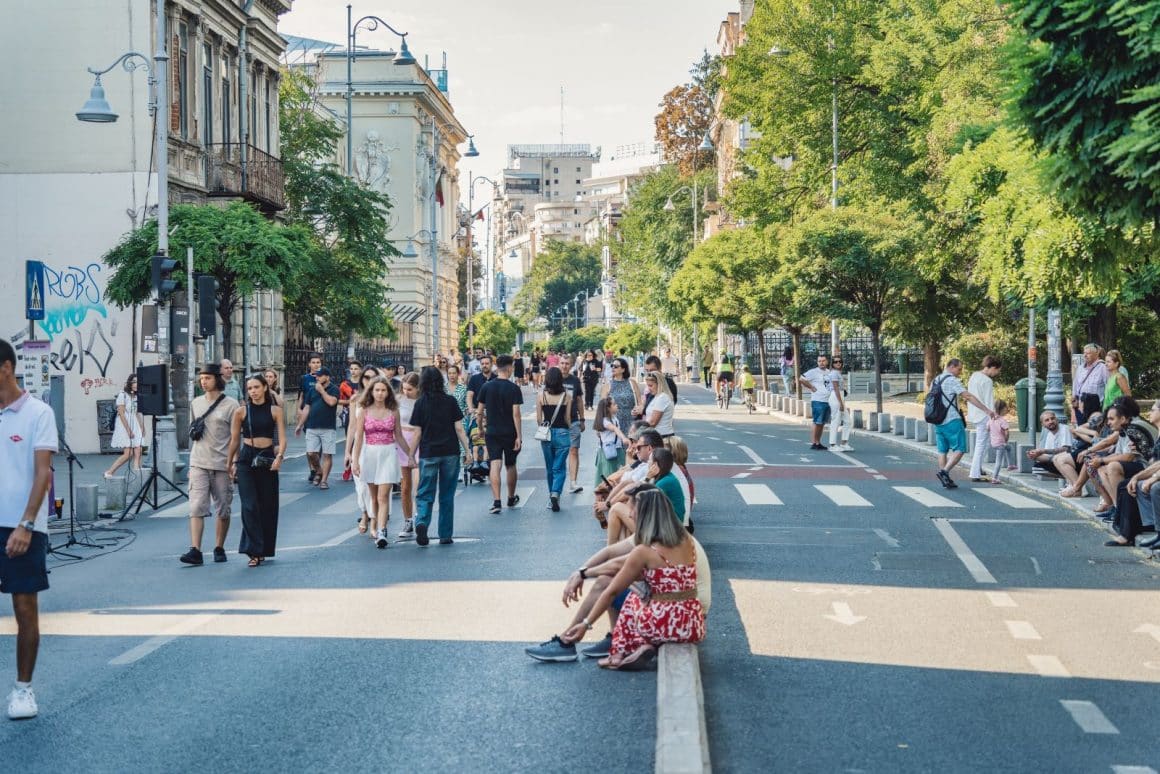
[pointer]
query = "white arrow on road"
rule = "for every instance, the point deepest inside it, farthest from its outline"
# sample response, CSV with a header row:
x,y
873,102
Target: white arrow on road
x,y
1151,629
844,615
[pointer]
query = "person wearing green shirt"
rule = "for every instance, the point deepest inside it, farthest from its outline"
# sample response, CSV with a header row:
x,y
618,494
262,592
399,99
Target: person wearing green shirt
x,y
660,473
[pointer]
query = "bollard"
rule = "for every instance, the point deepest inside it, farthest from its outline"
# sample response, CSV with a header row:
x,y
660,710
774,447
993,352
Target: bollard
x,y
873,427
167,468
930,434
899,423
115,492
884,423
1021,458
86,502
909,429
920,430
858,424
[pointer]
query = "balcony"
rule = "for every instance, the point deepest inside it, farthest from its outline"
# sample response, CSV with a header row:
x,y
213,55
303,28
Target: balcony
x,y
262,183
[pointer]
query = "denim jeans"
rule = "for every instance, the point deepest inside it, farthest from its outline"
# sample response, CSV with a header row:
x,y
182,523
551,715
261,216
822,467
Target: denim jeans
x,y
444,473
556,458
1149,504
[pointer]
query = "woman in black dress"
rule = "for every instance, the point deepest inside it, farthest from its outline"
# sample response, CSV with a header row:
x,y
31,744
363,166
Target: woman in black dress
x,y
254,464
590,373
518,366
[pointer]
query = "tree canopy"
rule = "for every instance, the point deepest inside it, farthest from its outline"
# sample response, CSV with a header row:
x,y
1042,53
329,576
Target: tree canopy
x,y
494,331
632,338
558,273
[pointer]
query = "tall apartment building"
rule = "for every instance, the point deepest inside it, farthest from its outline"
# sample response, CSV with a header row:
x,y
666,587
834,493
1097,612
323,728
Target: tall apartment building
x,y
69,191
539,199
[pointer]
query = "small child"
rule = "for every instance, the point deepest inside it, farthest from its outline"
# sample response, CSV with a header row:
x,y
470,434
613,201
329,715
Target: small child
x,y
998,430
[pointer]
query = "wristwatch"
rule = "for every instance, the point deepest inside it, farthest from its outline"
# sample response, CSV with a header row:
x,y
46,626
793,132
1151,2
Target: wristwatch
x,y
28,525
583,573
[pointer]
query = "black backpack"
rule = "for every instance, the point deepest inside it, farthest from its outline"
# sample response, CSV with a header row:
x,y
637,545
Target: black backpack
x,y
936,406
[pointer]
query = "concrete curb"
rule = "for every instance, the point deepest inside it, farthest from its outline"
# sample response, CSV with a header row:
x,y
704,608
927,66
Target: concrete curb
x,y
682,736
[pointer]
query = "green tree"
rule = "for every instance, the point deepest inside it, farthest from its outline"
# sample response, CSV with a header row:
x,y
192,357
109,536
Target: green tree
x,y
493,330
342,289
853,266
243,251
1088,93
632,338
558,273
580,339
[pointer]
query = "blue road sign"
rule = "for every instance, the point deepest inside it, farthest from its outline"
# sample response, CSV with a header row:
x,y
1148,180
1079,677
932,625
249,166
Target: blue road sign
x,y
33,290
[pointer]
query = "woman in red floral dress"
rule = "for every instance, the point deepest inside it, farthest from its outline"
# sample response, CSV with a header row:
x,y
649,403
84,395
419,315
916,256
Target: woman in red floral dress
x,y
662,605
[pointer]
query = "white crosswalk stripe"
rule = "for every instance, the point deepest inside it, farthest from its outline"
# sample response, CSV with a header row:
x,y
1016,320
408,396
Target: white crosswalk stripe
x,y
843,495
1013,499
927,497
757,494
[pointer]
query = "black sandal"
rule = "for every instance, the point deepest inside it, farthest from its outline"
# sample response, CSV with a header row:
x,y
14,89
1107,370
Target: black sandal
x,y
255,561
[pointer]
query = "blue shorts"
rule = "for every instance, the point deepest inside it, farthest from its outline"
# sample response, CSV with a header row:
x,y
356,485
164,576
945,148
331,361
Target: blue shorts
x,y
27,574
821,411
618,600
574,435
951,437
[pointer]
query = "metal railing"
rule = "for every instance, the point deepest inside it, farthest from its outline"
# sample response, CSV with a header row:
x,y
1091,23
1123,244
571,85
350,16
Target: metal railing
x,y
263,181
857,353
334,357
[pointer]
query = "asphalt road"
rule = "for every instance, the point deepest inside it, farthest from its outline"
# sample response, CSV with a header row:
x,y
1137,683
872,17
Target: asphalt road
x,y
864,620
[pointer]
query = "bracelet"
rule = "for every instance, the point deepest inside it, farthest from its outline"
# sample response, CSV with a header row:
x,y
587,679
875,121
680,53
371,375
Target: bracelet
x,y
583,575
587,625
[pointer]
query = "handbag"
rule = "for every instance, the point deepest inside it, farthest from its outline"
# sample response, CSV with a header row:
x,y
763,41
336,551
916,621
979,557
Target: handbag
x,y
197,426
258,461
609,444
544,431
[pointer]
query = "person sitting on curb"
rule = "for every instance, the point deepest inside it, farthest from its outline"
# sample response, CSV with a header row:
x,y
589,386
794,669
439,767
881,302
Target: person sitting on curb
x,y
1055,438
680,459
1134,441
601,568
1135,507
662,605
1070,463
615,506
660,475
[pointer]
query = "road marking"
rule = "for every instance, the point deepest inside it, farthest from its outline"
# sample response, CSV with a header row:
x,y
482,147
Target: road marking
x,y
1022,630
751,455
973,564
1048,666
348,504
879,477
843,495
713,438
871,470
1016,521
743,475
1001,599
804,459
757,494
1013,499
1088,717
924,496
524,494
1151,629
731,443
893,457
1133,770
340,539
852,460
191,624
887,538
844,615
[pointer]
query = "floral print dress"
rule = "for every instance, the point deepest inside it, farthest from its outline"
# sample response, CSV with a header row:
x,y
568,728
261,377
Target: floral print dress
x,y
661,618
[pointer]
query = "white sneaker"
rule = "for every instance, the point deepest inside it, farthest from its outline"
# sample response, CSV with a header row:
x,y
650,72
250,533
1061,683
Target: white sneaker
x,y
845,448
575,488
21,704
408,529
382,541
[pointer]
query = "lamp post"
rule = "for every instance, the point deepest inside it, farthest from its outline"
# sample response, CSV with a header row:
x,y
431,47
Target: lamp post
x,y
472,179
403,57
97,110
1053,397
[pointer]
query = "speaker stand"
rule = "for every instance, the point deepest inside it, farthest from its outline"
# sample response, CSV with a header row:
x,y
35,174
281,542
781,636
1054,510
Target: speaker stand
x,y
148,493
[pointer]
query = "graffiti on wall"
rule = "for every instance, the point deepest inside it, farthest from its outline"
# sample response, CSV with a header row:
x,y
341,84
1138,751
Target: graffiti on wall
x,y
71,295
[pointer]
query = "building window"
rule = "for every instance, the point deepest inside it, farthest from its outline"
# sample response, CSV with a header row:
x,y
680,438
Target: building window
x,y
183,80
577,182
555,170
269,118
557,182
227,113
577,169
207,95
252,126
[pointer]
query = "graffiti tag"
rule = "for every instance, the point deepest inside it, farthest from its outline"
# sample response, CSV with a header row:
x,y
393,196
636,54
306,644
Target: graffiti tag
x,y
71,294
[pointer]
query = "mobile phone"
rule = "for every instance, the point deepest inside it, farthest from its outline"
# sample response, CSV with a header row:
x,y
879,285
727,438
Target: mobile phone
x,y
604,478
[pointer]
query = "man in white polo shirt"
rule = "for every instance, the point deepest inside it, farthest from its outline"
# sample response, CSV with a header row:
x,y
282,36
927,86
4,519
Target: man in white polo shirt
x,y
27,443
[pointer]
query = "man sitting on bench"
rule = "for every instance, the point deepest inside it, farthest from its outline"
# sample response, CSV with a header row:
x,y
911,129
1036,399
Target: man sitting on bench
x,y
1054,438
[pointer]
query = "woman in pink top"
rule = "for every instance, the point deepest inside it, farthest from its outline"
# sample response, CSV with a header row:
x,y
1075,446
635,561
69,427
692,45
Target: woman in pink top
x,y
377,446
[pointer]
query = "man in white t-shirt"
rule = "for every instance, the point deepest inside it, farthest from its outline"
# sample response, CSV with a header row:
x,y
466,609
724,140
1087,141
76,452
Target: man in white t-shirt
x,y
819,382
27,443
951,434
1054,438
982,386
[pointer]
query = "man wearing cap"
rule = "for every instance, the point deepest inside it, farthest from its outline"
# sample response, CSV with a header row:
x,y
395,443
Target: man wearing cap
x,y
209,478
321,415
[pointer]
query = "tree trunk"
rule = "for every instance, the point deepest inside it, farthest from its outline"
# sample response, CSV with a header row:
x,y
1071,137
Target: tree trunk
x,y
1101,326
761,358
875,334
931,355
797,369
226,303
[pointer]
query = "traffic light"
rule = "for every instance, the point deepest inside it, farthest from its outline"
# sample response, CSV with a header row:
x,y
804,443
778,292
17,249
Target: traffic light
x,y
163,267
206,305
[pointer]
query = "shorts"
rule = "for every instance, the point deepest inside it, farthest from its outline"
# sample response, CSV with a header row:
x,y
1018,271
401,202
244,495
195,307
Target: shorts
x,y
820,409
574,435
502,447
205,484
319,440
725,377
27,574
1046,467
951,436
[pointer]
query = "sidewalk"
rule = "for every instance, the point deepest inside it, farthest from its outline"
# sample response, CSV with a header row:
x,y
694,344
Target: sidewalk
x,y
1048,489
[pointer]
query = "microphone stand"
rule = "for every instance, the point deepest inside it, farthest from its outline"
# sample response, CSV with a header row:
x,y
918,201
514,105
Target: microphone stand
x,y
72,507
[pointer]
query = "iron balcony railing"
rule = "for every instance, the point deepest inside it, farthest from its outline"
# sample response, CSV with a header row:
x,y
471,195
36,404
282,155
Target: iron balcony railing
x,y
261,182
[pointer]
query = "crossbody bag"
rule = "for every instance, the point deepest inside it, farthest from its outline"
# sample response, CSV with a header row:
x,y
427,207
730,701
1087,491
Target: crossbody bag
x,y
544,431
197,426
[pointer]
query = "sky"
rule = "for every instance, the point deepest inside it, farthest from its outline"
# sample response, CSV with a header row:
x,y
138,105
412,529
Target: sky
x,y
507,61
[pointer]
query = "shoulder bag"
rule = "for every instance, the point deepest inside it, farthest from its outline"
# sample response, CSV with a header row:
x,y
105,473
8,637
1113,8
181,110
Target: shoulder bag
x,y
544,431
197,426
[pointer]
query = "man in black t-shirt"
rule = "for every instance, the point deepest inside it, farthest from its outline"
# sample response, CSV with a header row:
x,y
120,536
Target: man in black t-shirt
x,y
476,382
575,389
498,411
437,416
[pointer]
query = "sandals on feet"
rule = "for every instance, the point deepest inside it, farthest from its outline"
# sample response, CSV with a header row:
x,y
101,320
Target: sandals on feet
x,y
323,485
255,561
362,525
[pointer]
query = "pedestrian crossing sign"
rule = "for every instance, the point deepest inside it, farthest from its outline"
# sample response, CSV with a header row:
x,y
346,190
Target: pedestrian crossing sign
x,y
33,290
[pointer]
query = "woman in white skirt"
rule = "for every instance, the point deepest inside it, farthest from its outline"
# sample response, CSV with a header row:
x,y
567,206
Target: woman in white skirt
x,y
377,446
407,461
366,505
127,428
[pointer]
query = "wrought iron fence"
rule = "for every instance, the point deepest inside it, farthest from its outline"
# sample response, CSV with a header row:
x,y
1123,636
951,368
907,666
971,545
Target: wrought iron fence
x,y
334,357
857,353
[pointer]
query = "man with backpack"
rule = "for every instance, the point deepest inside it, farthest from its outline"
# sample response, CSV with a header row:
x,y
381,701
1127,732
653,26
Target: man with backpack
x,y
941,409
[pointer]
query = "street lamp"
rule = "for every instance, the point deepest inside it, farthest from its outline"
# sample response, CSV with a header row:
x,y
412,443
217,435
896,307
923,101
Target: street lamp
x,y
97,110
402,57
472,179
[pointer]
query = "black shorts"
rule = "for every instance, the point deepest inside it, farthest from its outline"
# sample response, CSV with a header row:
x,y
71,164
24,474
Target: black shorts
x,y
725,377
502,447
25,574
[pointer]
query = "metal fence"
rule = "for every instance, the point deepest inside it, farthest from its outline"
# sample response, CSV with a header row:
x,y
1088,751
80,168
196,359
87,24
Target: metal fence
x,y
334,357
857,353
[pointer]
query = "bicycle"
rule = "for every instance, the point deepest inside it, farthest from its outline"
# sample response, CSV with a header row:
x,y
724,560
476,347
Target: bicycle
x,y
724,393
749,404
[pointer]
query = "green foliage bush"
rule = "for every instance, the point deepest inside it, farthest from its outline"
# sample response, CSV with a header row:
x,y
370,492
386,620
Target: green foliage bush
x,y
1008,346
580,339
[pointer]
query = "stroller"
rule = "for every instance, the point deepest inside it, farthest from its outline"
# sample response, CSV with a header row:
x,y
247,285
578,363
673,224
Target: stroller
x,y
477,471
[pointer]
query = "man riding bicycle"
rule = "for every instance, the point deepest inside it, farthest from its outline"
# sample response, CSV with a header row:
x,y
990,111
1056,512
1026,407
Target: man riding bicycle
x,y
724,374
